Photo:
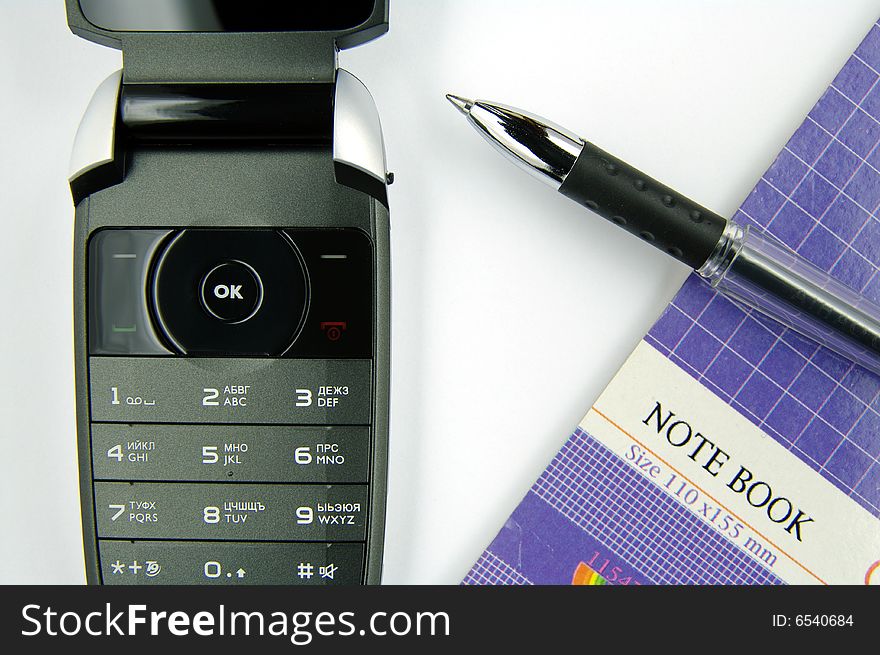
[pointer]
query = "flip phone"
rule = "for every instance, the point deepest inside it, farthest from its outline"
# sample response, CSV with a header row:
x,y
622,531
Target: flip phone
x,y
231,294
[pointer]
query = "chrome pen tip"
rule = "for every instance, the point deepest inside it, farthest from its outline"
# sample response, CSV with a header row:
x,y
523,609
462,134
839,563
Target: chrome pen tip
x,y
462,104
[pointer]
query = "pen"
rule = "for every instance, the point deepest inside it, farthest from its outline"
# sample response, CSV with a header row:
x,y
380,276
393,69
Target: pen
x,y
743,264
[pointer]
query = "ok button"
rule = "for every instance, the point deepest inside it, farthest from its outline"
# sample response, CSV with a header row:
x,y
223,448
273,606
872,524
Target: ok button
x,y
232,292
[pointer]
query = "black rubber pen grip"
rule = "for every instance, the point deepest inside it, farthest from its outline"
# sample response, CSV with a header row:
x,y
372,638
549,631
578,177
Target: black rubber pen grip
x,y
643,206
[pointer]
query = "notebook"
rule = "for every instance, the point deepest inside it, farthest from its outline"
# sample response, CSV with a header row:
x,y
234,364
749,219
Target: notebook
x,y
729,449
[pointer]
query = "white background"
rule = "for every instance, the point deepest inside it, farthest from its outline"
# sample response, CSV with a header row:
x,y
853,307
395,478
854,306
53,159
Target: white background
x,y
513,307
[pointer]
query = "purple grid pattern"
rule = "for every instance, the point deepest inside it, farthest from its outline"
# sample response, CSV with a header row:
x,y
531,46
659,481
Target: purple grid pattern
x,y
492,570
821,197
634,518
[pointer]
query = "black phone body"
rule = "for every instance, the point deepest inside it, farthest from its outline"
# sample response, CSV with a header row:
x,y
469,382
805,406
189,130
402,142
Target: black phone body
x,y
232,304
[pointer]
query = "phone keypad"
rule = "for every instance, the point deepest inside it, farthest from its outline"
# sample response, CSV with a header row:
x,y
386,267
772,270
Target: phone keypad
x,y
231,424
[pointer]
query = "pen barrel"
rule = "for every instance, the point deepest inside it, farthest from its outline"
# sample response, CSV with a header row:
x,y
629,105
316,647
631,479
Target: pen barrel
x,y
764,274
643,206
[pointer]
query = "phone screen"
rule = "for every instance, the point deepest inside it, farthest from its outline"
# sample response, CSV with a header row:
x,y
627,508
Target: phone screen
x,y
226,15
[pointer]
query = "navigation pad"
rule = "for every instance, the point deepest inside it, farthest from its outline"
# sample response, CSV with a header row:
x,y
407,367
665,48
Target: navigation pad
x,y
230,291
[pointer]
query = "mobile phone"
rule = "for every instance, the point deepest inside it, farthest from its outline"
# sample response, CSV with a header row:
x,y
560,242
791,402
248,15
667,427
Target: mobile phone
x,y
231,296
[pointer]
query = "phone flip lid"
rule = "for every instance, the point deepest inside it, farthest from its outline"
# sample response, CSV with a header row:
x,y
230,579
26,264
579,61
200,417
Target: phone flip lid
x,y
228,40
